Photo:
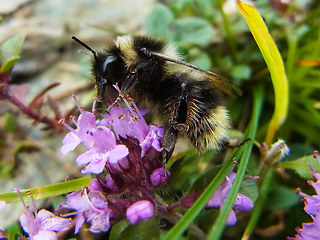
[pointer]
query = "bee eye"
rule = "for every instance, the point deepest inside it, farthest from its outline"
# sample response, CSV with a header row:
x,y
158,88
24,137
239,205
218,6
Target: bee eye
x,y
108,60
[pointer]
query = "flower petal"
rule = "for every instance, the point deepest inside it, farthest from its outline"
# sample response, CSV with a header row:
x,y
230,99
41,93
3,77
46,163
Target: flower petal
x,y
231,219
44,214
96,165
85,157
51,222
45,234
140,211
242,203
79,223
70,142
103,139
29,223
118,153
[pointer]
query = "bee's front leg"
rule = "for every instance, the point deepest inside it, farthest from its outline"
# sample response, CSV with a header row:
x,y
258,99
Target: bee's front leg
x,y
169,141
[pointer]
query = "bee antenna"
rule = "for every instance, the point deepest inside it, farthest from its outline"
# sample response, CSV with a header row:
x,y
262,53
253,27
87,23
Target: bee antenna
x,y
85,45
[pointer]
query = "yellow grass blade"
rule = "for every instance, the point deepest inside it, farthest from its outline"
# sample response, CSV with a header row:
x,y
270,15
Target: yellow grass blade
x,y
275,65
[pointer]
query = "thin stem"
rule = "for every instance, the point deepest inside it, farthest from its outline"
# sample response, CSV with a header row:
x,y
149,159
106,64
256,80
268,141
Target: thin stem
x,y
29,112
229,36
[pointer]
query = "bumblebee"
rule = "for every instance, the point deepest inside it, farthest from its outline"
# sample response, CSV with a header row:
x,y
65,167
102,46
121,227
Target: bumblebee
x,y
188,99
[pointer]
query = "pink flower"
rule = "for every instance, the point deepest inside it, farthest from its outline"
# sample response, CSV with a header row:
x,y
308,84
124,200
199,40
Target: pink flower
x,y
311,230
242,203
42,224
140,211
99,140
91,207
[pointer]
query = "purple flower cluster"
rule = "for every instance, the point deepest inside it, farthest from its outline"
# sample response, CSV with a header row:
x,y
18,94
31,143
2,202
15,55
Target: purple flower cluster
x,y
124,154
310,230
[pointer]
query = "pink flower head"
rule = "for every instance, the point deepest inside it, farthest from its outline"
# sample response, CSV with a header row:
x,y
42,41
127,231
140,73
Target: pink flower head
x,y
103,149
125,123
99,140
127,152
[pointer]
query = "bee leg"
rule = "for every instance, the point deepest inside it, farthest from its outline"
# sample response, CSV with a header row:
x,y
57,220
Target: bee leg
x,y
101,88
169,141
128,85
133,76
177,123
239,144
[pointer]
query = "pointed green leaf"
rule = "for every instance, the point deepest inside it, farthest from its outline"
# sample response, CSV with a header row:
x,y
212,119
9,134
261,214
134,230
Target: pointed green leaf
x,y
10,51
302,166
48,190
281,198
148,229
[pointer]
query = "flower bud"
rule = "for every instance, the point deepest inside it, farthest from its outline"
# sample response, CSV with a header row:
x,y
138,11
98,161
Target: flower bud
x,y
140,211
159,177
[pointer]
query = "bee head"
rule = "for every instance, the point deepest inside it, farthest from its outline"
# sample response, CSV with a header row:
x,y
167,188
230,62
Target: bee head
x,y
107,68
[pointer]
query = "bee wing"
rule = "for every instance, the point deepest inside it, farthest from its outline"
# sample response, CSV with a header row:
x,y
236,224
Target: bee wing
x,y
218,81
223,84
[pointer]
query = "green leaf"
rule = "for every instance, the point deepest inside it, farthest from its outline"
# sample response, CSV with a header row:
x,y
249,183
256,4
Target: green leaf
x,y
176,167
118,228
250,189
13,230
202,61
180,4
192,30
10,52
10,122
241,72
205,178
148,229
281,197
9,64
158,21
302,166
206,7
48,190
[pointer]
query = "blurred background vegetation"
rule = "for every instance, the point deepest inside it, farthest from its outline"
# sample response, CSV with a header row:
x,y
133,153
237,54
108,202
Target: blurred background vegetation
x,y
35,38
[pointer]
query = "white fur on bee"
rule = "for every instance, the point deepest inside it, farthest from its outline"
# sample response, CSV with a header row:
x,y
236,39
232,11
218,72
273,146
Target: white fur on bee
x,y
125,44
